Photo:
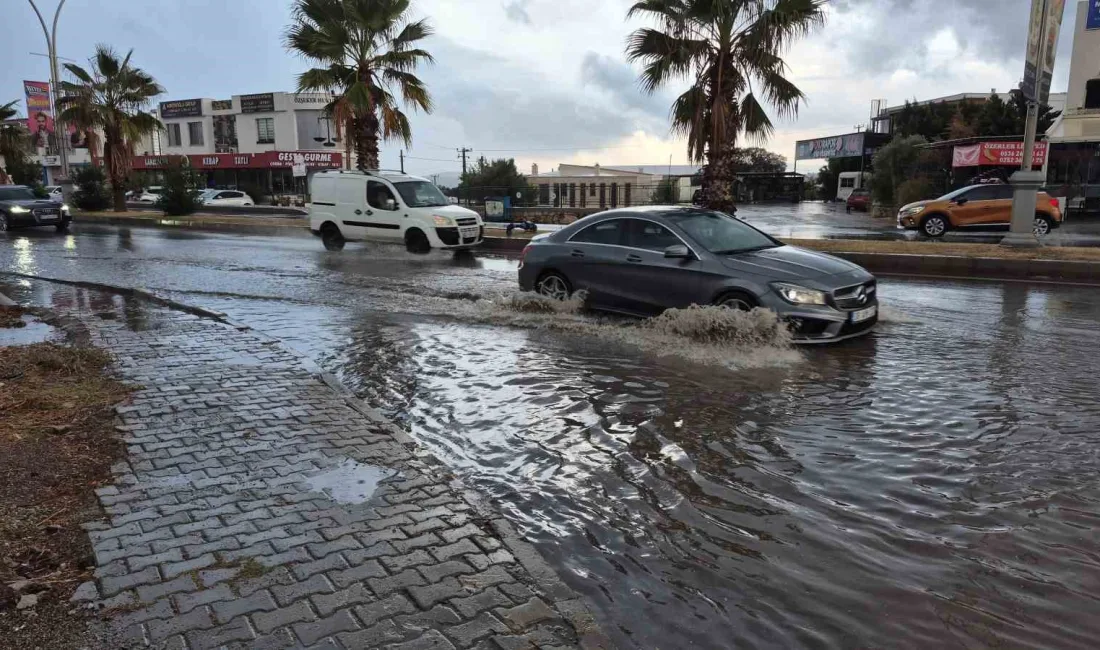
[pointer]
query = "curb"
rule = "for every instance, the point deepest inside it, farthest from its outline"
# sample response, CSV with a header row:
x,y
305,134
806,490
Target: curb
x,y
6,301
564,599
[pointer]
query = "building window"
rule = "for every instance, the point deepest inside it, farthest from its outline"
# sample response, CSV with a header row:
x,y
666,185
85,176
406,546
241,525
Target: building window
x,y
1092,93
194,133
592,189
174,136
265,130
848,182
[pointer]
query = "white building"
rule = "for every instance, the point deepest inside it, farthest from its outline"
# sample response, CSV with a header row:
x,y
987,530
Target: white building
x,y
1074,159
584,186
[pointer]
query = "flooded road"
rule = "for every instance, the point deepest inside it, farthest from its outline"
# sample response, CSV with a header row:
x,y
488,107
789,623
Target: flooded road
x,y
934,485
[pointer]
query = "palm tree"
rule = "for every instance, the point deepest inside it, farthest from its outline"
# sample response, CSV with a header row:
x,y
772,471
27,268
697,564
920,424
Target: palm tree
x,y
730,51
366,51
14,138
113,99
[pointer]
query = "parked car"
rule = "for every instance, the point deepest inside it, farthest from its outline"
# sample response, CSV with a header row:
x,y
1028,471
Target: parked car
x,y
976,207
150,194
20,208
225,197
643,260
388,207
859,200
55,193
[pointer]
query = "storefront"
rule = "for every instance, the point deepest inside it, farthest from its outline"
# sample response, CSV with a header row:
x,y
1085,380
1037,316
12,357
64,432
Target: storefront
x,y
273,172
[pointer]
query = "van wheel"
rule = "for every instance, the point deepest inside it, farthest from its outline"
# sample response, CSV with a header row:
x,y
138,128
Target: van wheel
x,y
934,225
1043,225
332,238
417,242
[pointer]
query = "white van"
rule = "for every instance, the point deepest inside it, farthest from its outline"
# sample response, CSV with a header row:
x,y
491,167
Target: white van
x,y
848,182
387,206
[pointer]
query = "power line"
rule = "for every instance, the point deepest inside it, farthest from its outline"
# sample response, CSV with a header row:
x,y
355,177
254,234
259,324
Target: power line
x,y
431,159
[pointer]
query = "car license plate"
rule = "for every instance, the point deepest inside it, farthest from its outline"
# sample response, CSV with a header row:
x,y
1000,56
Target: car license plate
x,y
864,314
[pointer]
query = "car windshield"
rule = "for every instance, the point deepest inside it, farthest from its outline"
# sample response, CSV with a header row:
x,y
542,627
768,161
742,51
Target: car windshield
x,y
721,234
16,194
420,194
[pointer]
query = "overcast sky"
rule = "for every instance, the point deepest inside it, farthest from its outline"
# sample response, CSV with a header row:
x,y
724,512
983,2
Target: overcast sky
x,y
545,80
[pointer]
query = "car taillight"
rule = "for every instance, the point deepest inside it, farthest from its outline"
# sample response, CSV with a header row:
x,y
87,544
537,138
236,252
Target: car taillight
x,y
523,255
1054,201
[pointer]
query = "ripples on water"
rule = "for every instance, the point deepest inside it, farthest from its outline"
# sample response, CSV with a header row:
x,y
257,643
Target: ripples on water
x,y
932,486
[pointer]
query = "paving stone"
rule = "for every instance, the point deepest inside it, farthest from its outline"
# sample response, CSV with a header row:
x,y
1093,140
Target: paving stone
x,y
286,594
405,579
436,617
259,601
461,547
523,616
112,585
372,637
267,621
198,619
356,594
196,550
399,563
430,640
429,595
306,569
427,539
187,602
517,591
211,577
162,609
493,576
373,551
313,631
218,637
437,571
467,633
385,608
176,568
139,563
470,606
455,534
357,573
150,593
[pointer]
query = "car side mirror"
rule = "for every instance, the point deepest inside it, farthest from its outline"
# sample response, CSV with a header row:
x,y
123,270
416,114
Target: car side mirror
x,y
391,205
961,201
678,251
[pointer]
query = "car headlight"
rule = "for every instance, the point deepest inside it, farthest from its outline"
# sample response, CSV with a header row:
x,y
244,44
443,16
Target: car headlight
x,y
18,209
441,220
909,212
64,207
797,295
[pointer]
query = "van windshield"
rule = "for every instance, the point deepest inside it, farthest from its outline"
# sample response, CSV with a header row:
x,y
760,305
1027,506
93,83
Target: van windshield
x,y
420,194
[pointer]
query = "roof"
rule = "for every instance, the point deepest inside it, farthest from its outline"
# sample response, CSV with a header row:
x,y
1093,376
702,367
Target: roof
x,y
388,174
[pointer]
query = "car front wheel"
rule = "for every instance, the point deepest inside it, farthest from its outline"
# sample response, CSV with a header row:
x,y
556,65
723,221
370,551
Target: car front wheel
x,y
331,237
934,225
3,222
736,300
554,285
1043,225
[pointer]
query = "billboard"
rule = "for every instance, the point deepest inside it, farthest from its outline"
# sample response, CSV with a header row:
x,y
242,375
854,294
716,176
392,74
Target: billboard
x,y
996,153
262,103
39,115
1093,20
840,146
265,160
181,108
1044,26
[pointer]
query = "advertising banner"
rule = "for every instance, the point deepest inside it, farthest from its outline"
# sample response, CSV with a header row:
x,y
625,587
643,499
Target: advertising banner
x,y
1093,19
181,108
1044,26
262,103
841,146
996,153
265,160
221,105
39,116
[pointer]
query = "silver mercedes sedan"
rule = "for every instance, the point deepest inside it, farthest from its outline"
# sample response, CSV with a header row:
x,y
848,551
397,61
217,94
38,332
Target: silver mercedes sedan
x,y
641,261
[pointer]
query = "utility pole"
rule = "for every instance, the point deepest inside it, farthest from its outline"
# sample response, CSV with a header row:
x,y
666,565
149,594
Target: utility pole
x,y
58,126
402,154
462,152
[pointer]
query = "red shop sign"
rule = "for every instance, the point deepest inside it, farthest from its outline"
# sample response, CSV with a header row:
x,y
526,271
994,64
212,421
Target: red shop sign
x,y
265,160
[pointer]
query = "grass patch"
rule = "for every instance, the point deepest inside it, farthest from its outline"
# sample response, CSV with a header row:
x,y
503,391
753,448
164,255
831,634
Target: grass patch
x,y
57,443
950,249
251,568
11,317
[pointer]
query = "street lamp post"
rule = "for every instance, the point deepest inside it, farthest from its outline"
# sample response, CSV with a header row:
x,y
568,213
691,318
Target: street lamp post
x,y
51,44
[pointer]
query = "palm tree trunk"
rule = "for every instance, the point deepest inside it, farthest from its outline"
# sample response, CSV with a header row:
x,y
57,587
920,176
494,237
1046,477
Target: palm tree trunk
x,y
719,177
366,141
115,173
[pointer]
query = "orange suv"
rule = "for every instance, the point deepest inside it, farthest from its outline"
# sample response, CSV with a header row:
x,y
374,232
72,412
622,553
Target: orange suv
x,y
973,208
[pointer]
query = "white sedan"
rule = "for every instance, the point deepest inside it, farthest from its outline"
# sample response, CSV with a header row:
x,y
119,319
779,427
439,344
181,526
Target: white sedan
x,y
150,195
225,197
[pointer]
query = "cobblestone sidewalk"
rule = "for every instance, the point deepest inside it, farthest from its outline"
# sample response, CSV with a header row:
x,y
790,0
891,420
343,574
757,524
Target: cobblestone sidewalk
x,y
260,508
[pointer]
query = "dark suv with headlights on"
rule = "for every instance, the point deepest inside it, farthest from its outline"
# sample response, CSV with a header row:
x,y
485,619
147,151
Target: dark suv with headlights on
x,y
20,208
641,261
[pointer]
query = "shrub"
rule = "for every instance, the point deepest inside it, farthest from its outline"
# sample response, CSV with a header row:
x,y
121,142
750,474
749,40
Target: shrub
x,y
180,184
894,163
252,190
91,189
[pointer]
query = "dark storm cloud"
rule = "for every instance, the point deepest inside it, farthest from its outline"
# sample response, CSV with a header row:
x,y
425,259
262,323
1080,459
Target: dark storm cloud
x,y
619,81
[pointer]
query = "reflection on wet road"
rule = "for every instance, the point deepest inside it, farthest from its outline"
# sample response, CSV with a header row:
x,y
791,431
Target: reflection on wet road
x,y
934,485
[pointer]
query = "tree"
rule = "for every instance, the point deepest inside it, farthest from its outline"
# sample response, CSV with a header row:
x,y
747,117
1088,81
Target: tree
x,y
828,177
366,51
755,159
178,196
91,191
667,192
113,98
497,178
14,138
895,163
730,51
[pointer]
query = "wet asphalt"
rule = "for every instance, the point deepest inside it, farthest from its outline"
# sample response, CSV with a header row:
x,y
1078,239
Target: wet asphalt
x,y
932,485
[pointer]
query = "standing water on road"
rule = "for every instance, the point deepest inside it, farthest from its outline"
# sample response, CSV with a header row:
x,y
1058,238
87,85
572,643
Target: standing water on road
x,y
934,485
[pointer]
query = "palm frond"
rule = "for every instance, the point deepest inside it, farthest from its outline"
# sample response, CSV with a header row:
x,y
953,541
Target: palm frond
x,y
754,119
665,56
